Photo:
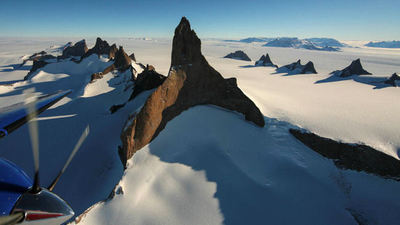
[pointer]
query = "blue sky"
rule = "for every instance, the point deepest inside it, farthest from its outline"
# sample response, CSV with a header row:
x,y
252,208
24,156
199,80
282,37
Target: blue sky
x,y
342,19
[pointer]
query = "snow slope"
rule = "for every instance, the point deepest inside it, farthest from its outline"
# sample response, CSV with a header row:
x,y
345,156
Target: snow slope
x,y
384,44
349,110
96,168
209,166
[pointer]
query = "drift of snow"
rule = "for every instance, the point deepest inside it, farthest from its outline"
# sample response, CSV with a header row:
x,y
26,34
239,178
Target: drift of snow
x,y
210,166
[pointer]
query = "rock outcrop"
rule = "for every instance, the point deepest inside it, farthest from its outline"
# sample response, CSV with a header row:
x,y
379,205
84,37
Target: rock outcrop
x,y
308,68
39,56
239,55
351,156
78,49
37,64
265,60
191,81
393,80
132,56
121,63
147,80
101,48
113,50
297,68
355,68
39,59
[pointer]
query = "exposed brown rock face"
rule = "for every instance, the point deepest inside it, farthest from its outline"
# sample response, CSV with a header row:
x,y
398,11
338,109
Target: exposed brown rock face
x,y
191,81
351,156
39,56
37,64
355,68
147,80
78,49
113,50
101,48
121,63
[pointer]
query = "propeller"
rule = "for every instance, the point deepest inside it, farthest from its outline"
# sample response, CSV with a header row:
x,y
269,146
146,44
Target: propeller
x,y
76,148
30,99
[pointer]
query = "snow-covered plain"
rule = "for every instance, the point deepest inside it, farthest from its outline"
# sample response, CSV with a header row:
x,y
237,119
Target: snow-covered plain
x,y
209,166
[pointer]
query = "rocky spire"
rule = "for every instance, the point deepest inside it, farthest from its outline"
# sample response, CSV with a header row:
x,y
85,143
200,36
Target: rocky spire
x,y
191,81
122,60
186,45
121,63
265,60
113,50
101,48
308,68
355,68
78,49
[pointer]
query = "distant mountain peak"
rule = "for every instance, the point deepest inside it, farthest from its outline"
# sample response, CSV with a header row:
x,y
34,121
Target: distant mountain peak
x,y
355,68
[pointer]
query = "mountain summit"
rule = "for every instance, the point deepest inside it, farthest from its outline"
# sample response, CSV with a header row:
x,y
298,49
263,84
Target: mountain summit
x,y
191,81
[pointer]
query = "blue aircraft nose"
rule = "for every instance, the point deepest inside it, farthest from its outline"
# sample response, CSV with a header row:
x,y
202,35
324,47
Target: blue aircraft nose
x,y
13,183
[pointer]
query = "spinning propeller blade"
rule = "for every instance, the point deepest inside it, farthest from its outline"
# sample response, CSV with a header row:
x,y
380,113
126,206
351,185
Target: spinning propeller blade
x,y
30,101
76,148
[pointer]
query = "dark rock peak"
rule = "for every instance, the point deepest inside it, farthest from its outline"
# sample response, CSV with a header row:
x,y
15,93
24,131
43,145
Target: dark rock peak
x,y
293,66
240,55
357,157
393,80
39,61
78,49
147,80
37,64
186,45
132,56
102,48
297,68
81,42
113,50
191,81
38,57
122,61
355,68
265,60
308,68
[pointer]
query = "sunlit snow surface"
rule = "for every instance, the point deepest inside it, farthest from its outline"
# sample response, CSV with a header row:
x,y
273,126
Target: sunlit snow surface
x,y
210,166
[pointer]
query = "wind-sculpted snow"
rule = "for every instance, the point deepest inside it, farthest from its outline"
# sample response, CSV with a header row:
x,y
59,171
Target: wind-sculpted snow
x,y
209,167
